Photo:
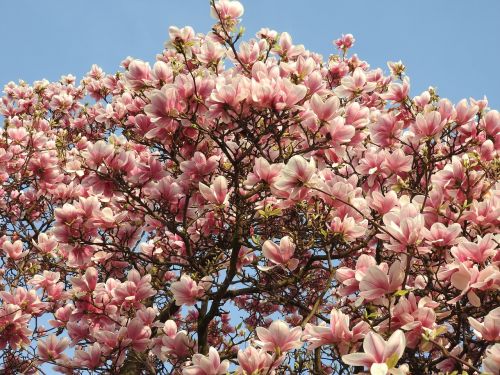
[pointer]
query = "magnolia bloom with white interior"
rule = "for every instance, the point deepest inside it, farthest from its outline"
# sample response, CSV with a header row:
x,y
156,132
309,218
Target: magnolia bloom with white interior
x,y
279,337
380,356
490,329
186,291
351,86
280,255
217,192
337,332
207,365
297,176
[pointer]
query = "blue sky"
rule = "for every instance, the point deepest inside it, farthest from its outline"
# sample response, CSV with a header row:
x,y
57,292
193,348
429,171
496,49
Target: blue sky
x,y
452,45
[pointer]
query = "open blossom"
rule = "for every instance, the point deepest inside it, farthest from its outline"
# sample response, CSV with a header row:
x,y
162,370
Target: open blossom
x,y
397,92
441,235
52,348
479,252
354,85
348,228
45,280
383,203
404,228
468,279
165,103
254,361
133,291
490,328
198,166
379,356
89,357
14,250
281,254
386,130
173,343
14,326
137,335
263,171
325,110
207,365
428,125
296,175
279,337
227,9
414,318
186,291
138,74
345,42
337,333
217,192
350,278
377,283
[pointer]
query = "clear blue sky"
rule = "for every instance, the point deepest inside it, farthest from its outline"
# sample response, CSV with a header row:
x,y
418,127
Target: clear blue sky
x,y
451,44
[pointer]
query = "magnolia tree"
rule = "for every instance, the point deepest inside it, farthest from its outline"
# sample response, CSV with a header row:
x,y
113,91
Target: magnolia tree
x,y
247,207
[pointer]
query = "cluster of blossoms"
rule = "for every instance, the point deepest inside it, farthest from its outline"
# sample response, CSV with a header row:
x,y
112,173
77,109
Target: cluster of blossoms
x,y
280,214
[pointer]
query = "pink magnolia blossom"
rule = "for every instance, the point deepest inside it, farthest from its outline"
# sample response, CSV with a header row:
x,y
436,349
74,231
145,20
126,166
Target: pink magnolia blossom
x,y
465,113
165,103
348,228
227,9
397,92
207,365
297,174
255,361
52,348
186,291
404,228
414,318
45,280
383,203
468,279
325,110
174,343
279,337
337,333
386,130
263,171
350,278
479,252
91,357
490,328
491,362
354,85
137,335
138,74
441,235
376,283
280,255
428,125
217,192
133,291
345,42
199,166
379,356
14,326
14,250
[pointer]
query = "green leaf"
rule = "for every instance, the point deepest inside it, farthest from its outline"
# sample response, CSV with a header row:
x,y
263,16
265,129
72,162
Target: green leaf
x,y
401,293
392,360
